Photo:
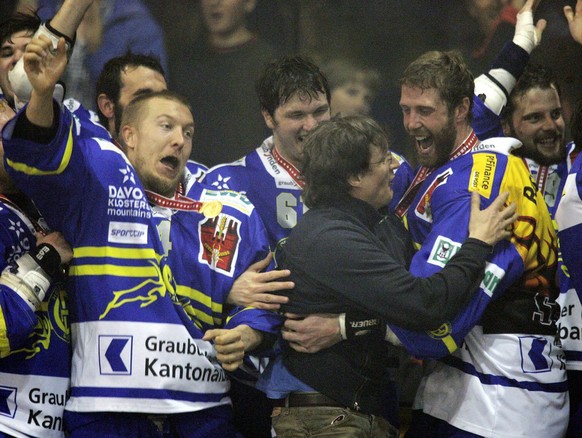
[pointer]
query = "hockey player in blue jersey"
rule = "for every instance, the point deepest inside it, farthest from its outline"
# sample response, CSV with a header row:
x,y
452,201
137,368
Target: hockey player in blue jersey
x,y
294,96
34,364
489,340
269,176
33,322
124,78
567,218
533,114
122,237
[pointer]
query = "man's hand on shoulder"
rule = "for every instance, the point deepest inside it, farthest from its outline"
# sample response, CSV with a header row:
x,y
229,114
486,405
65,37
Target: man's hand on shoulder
x,y
253,287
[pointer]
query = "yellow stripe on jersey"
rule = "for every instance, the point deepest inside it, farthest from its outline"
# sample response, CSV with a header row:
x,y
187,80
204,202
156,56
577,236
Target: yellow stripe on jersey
x,y
443,333
115,270
115,252
205,300
29,170
482,174
149,268
4,342
450,343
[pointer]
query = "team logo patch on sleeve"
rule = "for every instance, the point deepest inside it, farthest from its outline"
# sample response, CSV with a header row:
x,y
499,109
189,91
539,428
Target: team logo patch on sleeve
x,y
220,237
442,332
442,251
492,277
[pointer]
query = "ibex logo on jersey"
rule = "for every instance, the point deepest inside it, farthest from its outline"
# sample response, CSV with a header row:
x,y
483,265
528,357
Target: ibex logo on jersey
x,y
146,292
442,251
52,320
220,237
115,354
8,406
423,209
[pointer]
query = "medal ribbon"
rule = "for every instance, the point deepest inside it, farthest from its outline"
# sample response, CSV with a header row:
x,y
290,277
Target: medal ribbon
x,y
542,179
180,202
209,209
423,172
290,168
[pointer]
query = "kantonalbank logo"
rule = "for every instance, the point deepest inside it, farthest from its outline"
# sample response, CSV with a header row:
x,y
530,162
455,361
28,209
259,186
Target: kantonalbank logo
x,y
482,174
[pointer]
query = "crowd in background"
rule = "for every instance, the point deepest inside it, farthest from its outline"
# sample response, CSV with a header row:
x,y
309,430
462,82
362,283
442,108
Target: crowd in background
x,y
383,35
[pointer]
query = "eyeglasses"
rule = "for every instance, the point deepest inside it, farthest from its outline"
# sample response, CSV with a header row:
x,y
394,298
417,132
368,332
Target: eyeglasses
x,y
387,159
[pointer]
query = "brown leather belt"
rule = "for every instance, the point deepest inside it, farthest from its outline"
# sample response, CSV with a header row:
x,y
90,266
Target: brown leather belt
x,y
306,399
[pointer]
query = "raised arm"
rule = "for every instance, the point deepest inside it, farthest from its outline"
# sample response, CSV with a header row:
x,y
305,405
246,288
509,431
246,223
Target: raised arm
x,y
574,17
44,66
494,86
67,19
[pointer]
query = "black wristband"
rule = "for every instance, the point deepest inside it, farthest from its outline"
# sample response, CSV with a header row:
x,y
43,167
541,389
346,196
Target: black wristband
x,y
47,257
358,324
70,41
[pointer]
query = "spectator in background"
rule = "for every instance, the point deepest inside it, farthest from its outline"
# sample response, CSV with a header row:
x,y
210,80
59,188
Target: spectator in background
x,y
217,78
110,28
480,28
353,86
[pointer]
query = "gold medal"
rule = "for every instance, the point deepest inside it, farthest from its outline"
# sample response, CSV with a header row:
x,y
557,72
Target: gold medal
x,y
211,209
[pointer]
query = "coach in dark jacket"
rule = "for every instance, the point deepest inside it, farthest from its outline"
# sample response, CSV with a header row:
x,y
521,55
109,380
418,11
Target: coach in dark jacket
x,y
344,255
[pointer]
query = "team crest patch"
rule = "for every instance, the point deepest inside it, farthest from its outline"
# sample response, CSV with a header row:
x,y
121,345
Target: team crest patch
x,y
423,210
442,332
442,251
220,237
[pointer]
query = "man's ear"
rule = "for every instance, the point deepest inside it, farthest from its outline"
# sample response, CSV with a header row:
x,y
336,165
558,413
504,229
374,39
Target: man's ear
x,y
106,105
462,110
268,119
507,128
129,137
355,180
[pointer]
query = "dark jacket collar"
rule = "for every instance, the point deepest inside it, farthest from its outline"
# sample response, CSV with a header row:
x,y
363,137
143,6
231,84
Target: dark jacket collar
x,y
359,209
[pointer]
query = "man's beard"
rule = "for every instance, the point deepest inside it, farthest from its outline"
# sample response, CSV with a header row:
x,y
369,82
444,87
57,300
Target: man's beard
x,y
160,186
533,153
444,142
